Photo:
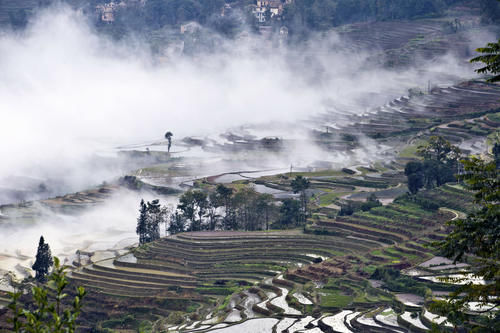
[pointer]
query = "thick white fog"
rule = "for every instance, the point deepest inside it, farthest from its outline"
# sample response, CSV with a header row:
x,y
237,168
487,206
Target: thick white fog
x,y
67,92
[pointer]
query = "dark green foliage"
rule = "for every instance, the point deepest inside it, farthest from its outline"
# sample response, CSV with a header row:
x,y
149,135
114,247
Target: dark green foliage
x,y
187,206
478,237
151,215
201,202
347,209
224,209
439,165
177,223
155,216
289,213
43,261
491,60
225,194
141,228
47,312
299,185
439,149
414,172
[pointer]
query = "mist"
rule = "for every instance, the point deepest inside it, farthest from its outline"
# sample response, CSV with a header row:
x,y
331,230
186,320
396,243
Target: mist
x,y
67,92
69,97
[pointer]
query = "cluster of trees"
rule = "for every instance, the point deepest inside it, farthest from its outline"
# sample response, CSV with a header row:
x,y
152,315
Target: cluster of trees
x,y
223,209
151,216
324,14
440,164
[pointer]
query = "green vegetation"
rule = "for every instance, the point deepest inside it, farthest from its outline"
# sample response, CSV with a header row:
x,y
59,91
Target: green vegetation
x,y
477,237
43,261
439,165
151,215
47,311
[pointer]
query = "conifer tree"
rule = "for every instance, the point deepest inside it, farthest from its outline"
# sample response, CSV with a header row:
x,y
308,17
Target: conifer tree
x,y
43,260
142,221
155,216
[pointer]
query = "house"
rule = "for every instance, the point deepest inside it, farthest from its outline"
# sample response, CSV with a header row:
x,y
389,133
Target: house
x,y
106,10
275,7
260,14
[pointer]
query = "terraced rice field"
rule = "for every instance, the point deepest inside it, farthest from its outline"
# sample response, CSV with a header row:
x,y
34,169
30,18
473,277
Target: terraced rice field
x,y
442,105
227,277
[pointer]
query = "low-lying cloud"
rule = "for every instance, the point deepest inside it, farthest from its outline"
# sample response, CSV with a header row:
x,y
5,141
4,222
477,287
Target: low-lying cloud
x,y
67,92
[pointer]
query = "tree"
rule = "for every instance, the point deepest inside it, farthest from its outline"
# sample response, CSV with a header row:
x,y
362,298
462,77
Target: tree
x,y
169,136
491,60
440,162
47,312
214,202
192,204
439,149
496,154
300,185
415,175
200,200
142,223
155,217
151,215
264,206
226,196
245,204
477,237
43,261
289,213
177,223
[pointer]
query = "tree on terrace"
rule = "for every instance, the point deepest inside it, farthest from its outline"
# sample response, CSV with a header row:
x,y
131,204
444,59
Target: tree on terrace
x,y
439,165
151,215
169,136
201,202
43,260
226,196
155,216
290,214
300,185
142,222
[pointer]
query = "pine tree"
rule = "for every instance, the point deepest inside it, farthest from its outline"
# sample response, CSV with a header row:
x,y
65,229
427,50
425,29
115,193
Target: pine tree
x,y
43,260
154,218
142,223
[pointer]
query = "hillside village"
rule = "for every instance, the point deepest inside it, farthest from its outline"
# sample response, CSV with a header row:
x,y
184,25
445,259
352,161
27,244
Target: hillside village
x,y
373,209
